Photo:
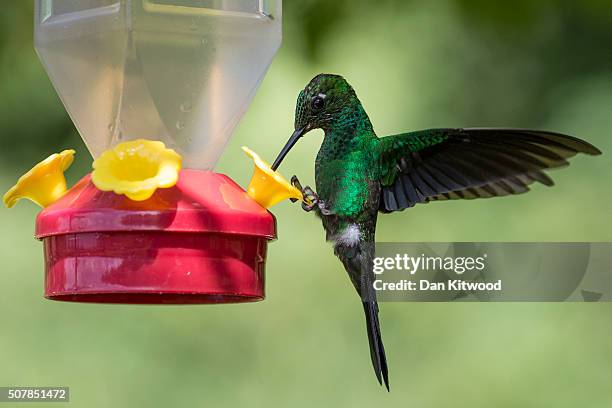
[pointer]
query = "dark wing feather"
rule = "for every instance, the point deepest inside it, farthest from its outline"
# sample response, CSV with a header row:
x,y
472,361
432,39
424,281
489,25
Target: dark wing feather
x,y
447,164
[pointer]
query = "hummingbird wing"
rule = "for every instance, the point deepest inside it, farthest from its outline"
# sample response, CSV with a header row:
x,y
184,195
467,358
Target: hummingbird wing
x,y
442,164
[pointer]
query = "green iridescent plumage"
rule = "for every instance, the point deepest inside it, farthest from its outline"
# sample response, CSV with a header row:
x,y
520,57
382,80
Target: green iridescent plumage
x,y
359,175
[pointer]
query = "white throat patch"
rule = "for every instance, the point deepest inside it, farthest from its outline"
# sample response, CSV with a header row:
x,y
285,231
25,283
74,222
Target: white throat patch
x,y
350,236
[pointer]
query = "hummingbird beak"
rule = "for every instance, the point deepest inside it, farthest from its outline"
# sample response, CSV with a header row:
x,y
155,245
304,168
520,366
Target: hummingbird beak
x,y
290,143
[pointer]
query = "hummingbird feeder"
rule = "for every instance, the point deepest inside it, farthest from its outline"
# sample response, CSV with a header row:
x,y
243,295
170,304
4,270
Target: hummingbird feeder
x,y
155,89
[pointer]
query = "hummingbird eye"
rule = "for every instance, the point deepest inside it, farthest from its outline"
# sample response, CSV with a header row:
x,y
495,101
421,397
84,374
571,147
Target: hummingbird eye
x,y
318,102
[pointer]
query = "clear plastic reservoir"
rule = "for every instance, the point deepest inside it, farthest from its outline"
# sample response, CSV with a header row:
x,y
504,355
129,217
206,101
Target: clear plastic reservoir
x,y
179,71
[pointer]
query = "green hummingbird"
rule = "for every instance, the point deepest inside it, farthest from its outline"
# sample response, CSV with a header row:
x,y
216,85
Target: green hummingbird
x,y
358,175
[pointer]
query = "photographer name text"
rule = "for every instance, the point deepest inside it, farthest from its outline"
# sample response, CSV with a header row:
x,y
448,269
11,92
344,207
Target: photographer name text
x,y
411,265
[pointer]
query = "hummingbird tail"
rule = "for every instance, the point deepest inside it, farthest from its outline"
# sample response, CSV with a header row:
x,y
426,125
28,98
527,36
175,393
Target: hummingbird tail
x,y
377,349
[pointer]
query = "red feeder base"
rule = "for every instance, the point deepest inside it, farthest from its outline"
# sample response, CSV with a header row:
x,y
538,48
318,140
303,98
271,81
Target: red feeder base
x,y
202,241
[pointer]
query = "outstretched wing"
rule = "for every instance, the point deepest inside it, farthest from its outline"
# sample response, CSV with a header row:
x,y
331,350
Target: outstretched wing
x,y
442,164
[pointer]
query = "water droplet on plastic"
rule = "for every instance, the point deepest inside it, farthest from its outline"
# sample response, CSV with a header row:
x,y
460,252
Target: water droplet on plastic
x,y
180,125
186,106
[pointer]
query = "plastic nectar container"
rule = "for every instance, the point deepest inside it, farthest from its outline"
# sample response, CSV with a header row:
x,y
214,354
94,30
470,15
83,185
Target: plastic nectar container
x,y
182,72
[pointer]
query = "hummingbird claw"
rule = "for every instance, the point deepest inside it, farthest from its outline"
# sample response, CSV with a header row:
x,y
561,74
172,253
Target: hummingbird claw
x,y
295,182
311,199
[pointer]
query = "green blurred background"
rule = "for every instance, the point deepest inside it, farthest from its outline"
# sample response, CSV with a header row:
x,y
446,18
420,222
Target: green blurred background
x,y
415,64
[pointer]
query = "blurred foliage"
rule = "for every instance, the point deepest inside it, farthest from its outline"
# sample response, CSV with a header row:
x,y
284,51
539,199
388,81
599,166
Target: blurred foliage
x,y
415,64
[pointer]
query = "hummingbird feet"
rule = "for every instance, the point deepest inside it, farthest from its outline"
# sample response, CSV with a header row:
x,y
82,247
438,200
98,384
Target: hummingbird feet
x,y
311,199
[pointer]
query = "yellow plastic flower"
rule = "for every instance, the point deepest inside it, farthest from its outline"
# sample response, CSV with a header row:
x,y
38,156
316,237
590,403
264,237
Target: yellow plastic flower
x,y
136,169
267,186
44,183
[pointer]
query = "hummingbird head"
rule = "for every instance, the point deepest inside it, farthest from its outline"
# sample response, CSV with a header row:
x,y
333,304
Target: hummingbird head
x,y
326,100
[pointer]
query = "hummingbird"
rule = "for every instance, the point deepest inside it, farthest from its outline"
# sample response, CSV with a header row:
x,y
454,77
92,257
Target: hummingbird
x,y
359,175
